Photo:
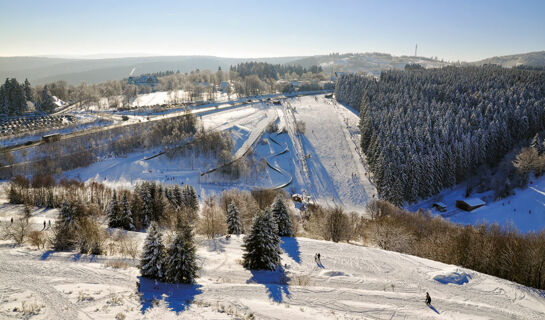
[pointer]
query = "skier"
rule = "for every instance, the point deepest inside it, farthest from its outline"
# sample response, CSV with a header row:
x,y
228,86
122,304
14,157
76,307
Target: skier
x,y
44,225
49,224
428,299
11,220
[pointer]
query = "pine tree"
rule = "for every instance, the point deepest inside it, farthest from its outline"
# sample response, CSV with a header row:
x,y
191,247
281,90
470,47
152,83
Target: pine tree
x,y
282,218
64,230
28,91
147,205
182,263
113,212
234,225
189,197
153,256
177,195
125,219
262,245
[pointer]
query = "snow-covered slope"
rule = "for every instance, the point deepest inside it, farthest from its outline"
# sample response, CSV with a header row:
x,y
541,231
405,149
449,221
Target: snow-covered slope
x,y
325,162
352,282
331,143
525,209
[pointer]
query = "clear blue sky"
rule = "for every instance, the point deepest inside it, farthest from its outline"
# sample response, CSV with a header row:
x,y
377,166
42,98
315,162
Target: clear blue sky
x,y
454,30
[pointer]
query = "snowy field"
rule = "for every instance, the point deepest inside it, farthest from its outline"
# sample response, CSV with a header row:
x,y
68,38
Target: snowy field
x,y
351,282
325,162
525,209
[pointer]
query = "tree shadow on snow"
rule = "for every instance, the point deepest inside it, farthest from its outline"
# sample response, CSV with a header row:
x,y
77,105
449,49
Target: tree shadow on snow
x,y
178,297
433,308
217,244
319,175
46,254
276,283
291,247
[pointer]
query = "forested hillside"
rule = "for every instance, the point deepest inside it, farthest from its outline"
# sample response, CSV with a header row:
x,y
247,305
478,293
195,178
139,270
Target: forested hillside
x,y
424,130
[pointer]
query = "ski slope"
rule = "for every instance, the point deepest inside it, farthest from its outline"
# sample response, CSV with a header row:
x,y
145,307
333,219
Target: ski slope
x,y
352,282
331,143
325,162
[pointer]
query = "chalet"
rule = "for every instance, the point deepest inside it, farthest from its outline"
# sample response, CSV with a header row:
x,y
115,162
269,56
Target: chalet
x,y
439,206
144,80
470,204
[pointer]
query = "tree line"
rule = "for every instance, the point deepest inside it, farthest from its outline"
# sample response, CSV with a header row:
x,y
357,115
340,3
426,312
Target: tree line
x,y
423,130
14,97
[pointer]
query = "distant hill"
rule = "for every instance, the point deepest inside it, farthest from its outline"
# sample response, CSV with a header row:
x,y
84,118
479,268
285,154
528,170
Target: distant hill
x,y
372,63
40,70
534,59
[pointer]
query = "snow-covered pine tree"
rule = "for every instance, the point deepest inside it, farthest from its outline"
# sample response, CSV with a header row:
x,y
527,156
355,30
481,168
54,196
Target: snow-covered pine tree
x,y
152,264
281,217
182,264
147,204
113,212
177,195
262,245
125,218
64,231
189,197
234,225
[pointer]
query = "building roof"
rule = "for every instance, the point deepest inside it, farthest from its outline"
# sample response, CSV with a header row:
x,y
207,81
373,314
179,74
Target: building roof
x,y
439,204
473,202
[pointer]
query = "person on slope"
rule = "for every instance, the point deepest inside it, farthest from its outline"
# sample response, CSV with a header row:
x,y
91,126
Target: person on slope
x,y
428,299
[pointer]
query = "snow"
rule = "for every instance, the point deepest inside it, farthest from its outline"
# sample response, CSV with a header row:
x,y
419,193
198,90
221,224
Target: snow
x,y
524,210
473,202
354,282
336,167
324,163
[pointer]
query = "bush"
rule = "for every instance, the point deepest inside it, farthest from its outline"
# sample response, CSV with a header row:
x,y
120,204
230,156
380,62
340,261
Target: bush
x,y
37,239
212,220
18,231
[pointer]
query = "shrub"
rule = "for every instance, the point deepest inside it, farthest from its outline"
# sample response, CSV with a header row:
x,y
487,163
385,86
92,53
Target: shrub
x,y
212,220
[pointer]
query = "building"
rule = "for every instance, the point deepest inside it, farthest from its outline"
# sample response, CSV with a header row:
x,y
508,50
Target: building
x,y
439,206
470,204
144,80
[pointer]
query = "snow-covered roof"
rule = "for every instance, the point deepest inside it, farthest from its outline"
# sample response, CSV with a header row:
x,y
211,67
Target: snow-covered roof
x,y
439,204
474,202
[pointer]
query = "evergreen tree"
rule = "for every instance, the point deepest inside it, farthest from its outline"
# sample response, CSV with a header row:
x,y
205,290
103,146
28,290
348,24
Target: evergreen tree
x,y
46,103
234,225
189,197
177,195
125,219
182,264
282,218
262,245
147,204
153,255
113,212
28,91
65,230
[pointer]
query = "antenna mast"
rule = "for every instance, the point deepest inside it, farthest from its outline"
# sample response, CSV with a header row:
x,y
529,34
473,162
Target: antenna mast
x,y
415,49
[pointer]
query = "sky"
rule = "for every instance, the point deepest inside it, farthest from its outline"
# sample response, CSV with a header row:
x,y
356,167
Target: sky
x,y
452,30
